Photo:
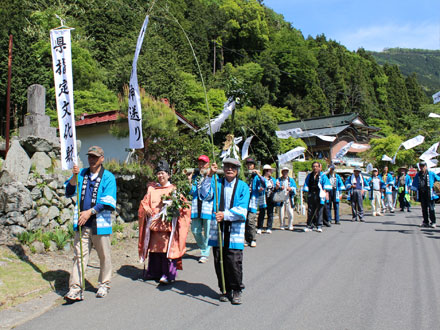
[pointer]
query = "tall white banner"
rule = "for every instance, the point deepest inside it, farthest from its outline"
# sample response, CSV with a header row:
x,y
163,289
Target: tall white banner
x,y
218,121
293,132
245,148
386,158
134,98
433,115
292,154
62,70
411,143
436,97
343,151
430,153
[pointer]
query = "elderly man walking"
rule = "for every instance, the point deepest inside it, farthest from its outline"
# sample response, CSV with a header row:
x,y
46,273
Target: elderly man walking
x,y
334,195
97,195
232,195
376,187
424,185
356,186
388,179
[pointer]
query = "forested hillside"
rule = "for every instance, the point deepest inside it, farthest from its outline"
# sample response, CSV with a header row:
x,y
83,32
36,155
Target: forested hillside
x,y
424,63
252,49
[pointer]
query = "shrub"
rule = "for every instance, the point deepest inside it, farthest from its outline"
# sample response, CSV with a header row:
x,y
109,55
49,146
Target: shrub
x,y
60,237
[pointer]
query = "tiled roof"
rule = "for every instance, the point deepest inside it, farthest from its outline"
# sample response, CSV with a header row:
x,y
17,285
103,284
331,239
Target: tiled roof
x,y
97,118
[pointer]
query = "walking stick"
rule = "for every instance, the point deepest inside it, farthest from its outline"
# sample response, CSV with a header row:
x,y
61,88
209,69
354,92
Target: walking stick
x,y
83,283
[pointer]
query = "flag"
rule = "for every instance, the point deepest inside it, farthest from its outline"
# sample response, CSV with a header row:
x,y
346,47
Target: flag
x,y
294,132
292,154
245,148
431,163
218,121
430,153
342,152
385,158
436,97
411,143
369,168
134,98
359,146
326,137
237,140
62,69
433,115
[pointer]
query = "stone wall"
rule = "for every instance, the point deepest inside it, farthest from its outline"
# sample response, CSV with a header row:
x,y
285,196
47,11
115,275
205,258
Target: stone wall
x,y
32,194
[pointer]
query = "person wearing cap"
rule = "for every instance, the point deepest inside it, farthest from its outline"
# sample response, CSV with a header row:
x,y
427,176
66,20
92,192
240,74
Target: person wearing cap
x,y
161,240
316,186
387,178
403,189
288,185
232,196
356,186
97,195
424,185
266,204
334,195
253,180
201,212
377,185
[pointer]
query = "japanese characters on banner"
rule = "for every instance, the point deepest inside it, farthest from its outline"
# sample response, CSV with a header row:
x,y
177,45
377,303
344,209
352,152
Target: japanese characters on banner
x,y
436,97
343,151
134,99
62,69
292,154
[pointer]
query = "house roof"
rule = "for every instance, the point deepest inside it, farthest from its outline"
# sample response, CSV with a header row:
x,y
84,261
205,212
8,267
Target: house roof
x,y
326,122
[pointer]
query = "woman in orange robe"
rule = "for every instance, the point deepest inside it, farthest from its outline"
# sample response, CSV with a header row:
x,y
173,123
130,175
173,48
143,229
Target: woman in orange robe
x,y
163,241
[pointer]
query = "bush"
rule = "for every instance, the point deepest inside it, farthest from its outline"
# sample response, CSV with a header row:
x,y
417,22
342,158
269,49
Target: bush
x,y
60,237
118,227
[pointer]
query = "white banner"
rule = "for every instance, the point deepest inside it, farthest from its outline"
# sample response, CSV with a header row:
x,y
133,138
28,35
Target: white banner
x,y
433,115
436,97
359,146
411,143
218,121
386,158
430,153
294,132
292,154
431,163
245,148
326,138
237,140
134,98
343,151
62,70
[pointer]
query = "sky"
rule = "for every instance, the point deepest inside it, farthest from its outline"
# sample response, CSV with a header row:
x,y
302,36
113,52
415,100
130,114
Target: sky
x,y
371,24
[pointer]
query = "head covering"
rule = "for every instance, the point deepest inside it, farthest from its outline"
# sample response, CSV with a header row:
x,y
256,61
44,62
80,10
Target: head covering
x,y
285,168
331,167
204,158
267,167
422,163
357,169
162,165
232,161
250,160
403,168
375,169
95,151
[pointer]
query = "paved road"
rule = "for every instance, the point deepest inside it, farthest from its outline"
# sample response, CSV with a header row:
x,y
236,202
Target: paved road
x,y
382,274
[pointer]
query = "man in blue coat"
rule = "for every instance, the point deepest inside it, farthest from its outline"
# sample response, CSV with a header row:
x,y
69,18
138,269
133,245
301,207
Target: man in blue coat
x,y
334,194
424,185
231,201
97,195
357,186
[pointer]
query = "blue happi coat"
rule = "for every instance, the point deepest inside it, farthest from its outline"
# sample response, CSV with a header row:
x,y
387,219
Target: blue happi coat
x,y
206,206
432,177
292,185
370,184
239,210
348,186
389,183
106,196
254,193
262,195
339,186
408,183
324,185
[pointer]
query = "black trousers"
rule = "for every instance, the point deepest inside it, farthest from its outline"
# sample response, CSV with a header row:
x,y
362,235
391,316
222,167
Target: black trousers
x,y
403,202
428,207
314,209
233,267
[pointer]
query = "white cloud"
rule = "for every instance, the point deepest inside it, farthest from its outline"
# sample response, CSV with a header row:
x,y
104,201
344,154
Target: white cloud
x,y
425,35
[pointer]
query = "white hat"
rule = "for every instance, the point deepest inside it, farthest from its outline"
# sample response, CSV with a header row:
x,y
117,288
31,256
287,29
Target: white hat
x,y
285,168
267,167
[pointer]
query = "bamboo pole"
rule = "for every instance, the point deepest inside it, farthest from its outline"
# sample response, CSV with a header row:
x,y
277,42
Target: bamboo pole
x,y
78,197
8,95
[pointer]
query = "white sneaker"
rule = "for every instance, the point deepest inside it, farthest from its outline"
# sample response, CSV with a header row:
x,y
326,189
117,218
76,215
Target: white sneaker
x,y
253,244
102,290
258,231
307,229
268,231
203,260
291,228
164,280
374,214
432,225
75,294
282,228
319,230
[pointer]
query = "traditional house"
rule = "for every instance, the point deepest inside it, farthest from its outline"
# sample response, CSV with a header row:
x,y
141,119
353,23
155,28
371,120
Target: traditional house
x,y
94,129
325,136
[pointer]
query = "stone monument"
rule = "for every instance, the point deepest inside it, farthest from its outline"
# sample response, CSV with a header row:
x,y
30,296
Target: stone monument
x,y
36,122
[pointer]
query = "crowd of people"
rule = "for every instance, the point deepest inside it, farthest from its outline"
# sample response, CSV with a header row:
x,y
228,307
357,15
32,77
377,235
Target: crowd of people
x,y
226,214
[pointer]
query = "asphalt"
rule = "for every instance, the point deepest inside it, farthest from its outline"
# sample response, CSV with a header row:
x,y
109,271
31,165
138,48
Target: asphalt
x,y
381,274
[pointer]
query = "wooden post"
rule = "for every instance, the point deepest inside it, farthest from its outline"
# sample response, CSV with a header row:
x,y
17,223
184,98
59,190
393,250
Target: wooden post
x,y
8,95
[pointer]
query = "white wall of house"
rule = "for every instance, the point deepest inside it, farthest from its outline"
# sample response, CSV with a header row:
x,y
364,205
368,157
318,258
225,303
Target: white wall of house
x,y
99,135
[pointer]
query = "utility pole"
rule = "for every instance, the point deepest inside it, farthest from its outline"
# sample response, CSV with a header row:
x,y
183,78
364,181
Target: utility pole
x,y
8,95
215,56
